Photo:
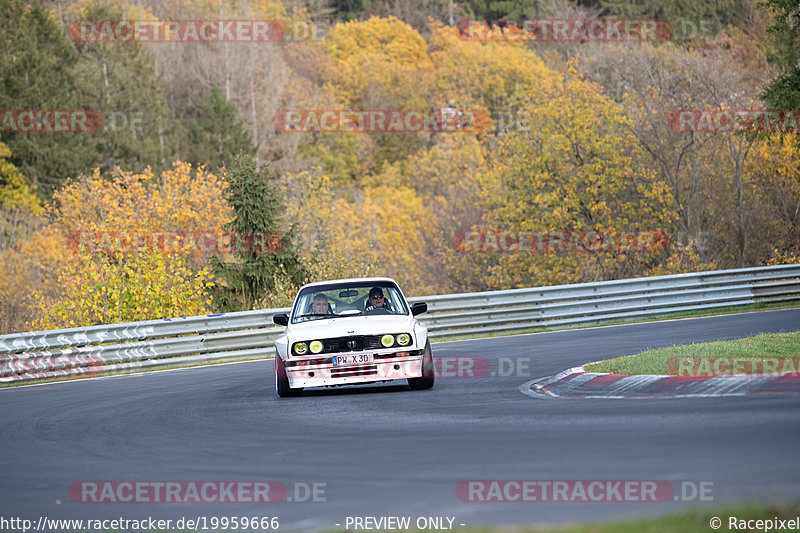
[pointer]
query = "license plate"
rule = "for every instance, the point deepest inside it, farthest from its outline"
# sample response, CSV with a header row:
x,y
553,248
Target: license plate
x,y
356,359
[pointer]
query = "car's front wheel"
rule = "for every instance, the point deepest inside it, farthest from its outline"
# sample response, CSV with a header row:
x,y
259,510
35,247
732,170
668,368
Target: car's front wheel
x,y
282,381
428,375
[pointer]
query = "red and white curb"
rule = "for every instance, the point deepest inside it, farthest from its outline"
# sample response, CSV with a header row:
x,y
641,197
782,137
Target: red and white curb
x,y
577,383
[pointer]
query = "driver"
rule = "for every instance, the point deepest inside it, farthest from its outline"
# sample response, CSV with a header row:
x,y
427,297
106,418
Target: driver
x,y
376,300
321,305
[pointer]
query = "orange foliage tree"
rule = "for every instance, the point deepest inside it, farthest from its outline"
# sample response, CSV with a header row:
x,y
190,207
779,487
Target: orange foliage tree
x,y
55,283
775,166
576,168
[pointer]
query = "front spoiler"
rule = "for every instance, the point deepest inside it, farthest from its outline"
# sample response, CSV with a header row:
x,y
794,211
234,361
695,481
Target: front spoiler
x,y
384,369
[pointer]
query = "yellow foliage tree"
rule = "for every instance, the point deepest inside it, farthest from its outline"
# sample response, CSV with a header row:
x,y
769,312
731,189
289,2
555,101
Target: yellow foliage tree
x,y
116,287
378,62
447,178
775,167
386,226
46,284
181,198
380,231
19,206
496,77
28,269
326,252
16,191
577,168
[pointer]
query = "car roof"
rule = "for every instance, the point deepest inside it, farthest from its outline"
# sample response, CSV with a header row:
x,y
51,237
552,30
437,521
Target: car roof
x,y
348,280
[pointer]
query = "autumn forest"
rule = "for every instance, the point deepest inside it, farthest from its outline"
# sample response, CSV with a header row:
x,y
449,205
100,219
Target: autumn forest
x,y
494,139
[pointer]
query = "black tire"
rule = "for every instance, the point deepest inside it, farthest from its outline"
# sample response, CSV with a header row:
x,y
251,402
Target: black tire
x,y
281,381
428,374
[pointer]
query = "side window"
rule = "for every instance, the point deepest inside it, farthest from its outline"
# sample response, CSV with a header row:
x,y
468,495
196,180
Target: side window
x,y
304,305
394,299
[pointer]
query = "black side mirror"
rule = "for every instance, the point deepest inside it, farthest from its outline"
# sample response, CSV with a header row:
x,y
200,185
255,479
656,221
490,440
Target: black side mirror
x,y
418,308
282,319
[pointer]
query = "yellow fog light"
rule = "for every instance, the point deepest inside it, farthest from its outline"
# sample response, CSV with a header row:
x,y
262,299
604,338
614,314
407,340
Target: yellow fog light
x,y
403,339
387,340
316,346
300,348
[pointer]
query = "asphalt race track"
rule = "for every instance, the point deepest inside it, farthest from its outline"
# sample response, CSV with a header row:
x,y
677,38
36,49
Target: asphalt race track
x,y
388,451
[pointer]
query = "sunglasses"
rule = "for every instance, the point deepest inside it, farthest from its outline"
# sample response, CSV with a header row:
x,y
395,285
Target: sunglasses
x,y
376,296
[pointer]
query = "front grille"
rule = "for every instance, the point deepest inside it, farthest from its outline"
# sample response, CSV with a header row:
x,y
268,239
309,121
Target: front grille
x,y
355,343
327,360
352,343
354,371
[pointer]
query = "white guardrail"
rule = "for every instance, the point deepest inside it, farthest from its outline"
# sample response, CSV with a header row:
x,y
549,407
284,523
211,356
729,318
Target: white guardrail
x,y
102,349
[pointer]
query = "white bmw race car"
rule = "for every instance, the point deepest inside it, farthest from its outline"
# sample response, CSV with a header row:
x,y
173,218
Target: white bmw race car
x,y
351,331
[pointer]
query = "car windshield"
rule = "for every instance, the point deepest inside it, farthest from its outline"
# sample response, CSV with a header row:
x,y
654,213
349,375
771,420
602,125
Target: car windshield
x,y
348,299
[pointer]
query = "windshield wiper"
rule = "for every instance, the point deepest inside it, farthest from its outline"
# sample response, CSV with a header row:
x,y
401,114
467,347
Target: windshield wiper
x,y
317,314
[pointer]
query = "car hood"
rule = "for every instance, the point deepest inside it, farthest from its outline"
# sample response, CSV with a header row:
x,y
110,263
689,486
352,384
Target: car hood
x,y
357,325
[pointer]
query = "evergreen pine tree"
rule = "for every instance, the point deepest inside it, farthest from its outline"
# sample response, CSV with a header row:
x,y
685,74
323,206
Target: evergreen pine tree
x,y
257,202
120,81
783,93
685,16
37,73
219,134
502,9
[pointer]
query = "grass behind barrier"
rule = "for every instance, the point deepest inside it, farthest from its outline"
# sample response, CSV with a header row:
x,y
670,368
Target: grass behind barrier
x,y
775,346
693,521
717,311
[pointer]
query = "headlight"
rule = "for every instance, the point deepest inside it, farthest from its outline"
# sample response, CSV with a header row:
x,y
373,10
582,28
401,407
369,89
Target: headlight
x,y
316,346
403,339
300,348
387,340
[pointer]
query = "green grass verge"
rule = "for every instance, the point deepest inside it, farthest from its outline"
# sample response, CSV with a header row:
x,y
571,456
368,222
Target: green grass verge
x,y
693,521
780,349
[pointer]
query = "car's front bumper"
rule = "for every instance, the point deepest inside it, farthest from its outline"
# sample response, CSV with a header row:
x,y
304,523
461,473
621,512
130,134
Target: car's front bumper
x,y
384,367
